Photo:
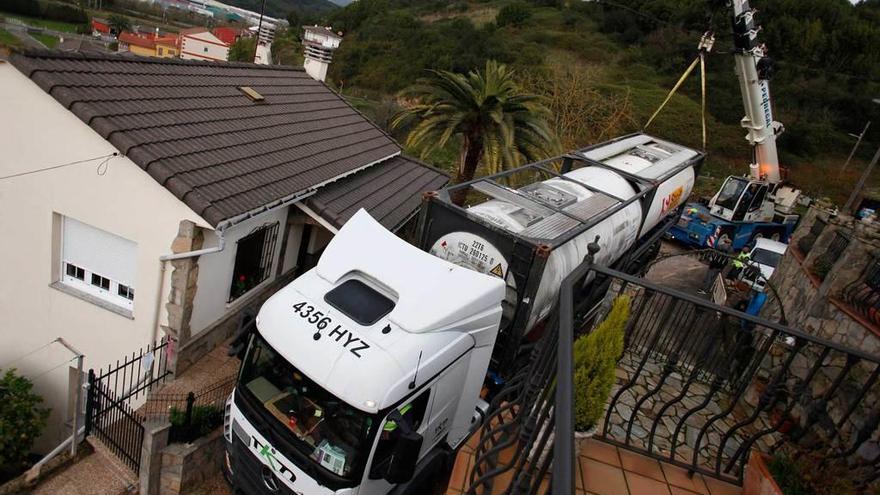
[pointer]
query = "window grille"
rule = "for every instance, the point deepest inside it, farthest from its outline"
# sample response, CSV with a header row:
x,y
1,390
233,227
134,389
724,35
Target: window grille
x,y
254,257
863,295
805,244
826,260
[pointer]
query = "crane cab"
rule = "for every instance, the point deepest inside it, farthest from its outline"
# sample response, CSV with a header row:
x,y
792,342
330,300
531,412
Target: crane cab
x,y
743,200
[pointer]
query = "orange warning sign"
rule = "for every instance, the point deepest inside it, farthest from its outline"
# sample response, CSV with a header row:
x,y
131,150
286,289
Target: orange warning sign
x,y
497,271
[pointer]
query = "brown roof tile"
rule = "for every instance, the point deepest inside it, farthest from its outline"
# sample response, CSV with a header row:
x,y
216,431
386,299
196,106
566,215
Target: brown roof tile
x,y
390,191
189,126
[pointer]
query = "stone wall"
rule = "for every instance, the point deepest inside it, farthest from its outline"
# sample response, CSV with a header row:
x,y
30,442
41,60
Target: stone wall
x,y
185,466
224,328
815,306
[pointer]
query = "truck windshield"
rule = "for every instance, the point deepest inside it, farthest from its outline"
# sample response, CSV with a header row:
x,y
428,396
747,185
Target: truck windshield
x,y
323,427
765,257
730,192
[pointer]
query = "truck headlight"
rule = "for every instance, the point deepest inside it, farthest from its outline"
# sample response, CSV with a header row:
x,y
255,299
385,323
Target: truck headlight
x,y
227,421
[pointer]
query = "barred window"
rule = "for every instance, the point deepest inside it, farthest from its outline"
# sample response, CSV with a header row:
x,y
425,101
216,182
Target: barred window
x,y
253,259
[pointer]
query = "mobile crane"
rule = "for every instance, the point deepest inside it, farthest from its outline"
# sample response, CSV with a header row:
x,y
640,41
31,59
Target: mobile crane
x,y
759,205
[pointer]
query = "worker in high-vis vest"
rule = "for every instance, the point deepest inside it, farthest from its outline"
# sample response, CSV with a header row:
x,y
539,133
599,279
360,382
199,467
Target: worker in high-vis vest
x,y
741,260
391,425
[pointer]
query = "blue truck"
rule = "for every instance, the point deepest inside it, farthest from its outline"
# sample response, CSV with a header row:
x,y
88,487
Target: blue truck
x,y
698,228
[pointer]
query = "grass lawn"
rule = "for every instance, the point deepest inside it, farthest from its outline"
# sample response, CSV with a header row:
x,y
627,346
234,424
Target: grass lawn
x,y
46,39
64,27
7,39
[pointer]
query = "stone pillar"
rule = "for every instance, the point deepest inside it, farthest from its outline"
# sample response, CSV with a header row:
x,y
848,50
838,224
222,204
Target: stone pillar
x,y
184,278
805,224
155,440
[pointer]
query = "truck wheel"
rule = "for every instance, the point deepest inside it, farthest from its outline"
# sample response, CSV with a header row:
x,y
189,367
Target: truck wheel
x,y
776,236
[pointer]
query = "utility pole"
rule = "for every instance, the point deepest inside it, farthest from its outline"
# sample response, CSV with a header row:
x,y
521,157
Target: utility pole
x,y
259,28
855,194
853,152
864,178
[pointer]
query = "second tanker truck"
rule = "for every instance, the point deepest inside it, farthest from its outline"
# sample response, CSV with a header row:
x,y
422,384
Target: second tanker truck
x,y
363,375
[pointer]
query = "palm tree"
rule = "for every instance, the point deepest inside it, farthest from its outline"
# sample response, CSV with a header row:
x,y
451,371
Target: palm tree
x,y
497,123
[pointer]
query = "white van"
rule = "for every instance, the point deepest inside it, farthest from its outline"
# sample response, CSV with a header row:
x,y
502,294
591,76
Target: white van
x,y
766,255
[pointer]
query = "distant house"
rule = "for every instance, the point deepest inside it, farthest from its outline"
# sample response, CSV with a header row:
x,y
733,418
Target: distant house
x,y
201,44
229,35
100,26
243,172
148,44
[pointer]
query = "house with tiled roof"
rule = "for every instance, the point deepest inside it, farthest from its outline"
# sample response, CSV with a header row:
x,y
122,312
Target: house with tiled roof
x,y
148,44
228,34
146,197
201,44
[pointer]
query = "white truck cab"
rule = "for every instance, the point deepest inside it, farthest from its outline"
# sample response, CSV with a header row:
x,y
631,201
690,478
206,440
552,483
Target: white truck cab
x,y
765,257
362,371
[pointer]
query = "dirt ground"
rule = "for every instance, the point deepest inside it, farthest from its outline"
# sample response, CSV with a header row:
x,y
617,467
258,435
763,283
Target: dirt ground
x,y
677,268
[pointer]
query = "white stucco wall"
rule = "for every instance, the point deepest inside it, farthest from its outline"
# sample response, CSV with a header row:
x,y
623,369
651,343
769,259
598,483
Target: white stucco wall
x,y
37,132
203,46
215,270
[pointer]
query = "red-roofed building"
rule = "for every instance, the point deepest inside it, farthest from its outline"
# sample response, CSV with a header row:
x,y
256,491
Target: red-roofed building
x,y
148,45
228,35
100,26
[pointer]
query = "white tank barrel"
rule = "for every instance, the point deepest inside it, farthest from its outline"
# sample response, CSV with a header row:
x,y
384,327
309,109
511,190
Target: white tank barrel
x,y
549,212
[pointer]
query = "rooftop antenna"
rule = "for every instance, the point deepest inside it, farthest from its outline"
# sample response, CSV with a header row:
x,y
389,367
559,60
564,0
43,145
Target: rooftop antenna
x,y
412,384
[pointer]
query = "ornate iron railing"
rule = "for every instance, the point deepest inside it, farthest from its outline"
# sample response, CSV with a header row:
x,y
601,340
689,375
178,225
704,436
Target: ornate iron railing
x,y
699,386
702,385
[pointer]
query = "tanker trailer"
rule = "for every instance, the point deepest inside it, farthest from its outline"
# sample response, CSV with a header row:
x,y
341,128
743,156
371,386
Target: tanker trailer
x,y
532,226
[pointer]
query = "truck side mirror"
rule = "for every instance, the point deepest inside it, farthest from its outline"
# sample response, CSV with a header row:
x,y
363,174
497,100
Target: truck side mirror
x,y
403,462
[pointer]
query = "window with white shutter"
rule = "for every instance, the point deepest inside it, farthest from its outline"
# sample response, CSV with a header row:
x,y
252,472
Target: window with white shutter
x,y
98,263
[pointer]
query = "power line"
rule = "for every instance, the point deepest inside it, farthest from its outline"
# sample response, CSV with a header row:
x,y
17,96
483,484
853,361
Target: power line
x,y
34,377
38,349
101,170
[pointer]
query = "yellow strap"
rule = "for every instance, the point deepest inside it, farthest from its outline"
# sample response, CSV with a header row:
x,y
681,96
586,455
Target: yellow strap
x,y
674,89
703,95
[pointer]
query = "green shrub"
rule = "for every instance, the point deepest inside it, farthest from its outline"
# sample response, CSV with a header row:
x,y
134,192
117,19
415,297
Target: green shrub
x,y
204,420
513,14
800,476
21,422
595,358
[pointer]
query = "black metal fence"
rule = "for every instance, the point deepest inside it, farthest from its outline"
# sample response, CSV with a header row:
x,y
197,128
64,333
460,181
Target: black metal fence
x,y
191,414
110,413
699,386
805,243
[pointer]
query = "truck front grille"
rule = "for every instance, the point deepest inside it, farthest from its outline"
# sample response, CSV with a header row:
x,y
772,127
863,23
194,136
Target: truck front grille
x,y
248,472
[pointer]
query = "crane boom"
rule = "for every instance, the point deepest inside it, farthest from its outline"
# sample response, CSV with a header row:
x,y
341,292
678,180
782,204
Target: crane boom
x,y
754,69
760,205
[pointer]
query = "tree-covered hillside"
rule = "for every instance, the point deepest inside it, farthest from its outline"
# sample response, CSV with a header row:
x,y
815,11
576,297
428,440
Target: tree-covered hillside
x,y
281,8
605,66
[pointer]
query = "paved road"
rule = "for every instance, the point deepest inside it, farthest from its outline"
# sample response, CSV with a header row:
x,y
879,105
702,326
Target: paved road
x,y
21,33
